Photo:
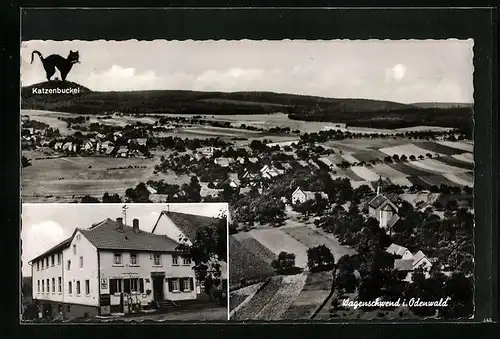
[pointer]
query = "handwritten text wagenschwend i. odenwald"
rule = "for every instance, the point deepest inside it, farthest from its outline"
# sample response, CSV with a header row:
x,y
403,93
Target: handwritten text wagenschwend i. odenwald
x,y
413,302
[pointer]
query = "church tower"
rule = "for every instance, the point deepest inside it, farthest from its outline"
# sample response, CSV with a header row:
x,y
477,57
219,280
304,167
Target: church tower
x,y
379,185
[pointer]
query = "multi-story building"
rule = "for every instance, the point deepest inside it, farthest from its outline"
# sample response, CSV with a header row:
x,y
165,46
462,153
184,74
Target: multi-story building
x,y
111,268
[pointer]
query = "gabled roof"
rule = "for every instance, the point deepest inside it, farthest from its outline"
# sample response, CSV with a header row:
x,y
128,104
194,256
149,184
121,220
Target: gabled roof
x,y
403,264
106,236
57,248
419,256
188,223
396,249
380,200
393,221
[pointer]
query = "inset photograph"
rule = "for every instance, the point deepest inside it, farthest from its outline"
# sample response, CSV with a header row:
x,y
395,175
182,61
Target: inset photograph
x,y
111,262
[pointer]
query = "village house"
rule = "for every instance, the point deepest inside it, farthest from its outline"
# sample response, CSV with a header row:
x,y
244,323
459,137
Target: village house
x,y
383,209
138,141
283,143
58,146
269,172
103,146
223,162
70,147
300,196
409,262
207,151
184,227
111,268
326,161
117,135
232,180
335,126
253,160
123,152
89,145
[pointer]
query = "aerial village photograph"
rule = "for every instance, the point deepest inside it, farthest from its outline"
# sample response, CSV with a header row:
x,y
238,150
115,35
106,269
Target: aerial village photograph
x,y
347,165
118,262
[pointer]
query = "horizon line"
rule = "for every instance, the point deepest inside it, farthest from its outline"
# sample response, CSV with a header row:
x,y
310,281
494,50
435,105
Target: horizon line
x,y
262,91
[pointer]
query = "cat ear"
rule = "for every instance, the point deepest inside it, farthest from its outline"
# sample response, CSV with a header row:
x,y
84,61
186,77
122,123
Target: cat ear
x,y
70,51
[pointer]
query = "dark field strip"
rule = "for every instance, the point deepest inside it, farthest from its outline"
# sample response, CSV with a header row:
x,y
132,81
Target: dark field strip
x,y
367,156
438,148
353,176
245,265
419,182
436,180
409,170
235,300
258,249
456,163
259,300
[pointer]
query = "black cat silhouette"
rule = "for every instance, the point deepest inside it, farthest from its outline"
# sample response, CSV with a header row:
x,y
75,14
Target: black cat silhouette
x,y
54,61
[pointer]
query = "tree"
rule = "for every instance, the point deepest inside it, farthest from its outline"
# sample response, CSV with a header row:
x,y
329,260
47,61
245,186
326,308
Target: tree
x,y
25,161
285,263
207,251
89,200
320,258
108,198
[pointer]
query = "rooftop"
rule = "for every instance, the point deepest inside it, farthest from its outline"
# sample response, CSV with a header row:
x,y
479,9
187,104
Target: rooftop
x,y
189,223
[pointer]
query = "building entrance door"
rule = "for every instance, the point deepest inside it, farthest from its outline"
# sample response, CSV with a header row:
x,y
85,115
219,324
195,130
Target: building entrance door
x,y
158,289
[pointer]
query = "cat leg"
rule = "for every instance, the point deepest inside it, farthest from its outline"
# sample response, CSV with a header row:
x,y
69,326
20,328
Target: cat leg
x,y
64,74
50,72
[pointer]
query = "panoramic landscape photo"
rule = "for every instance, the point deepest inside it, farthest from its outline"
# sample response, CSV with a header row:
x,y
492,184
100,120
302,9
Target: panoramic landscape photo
x,y
347,165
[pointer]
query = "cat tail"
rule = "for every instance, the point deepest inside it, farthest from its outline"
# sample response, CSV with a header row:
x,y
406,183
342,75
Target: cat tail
x,y
33,55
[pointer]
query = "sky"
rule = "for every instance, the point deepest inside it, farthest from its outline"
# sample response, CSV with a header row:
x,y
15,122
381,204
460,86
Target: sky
x,y
405,71
46,225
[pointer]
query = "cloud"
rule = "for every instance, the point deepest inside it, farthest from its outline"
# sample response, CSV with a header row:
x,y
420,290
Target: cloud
x,y
233,79
38,238
122,79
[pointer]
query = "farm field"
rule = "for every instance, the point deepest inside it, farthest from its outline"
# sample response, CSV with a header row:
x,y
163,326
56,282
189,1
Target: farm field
x,y
387,171
80,176
437,180
252,308
367,156
264,121
417,181
316,289
289,289
410,171
464,146
245,264
353,145
462,179
240,297
255,247
434,166
436,147
277,241
407,149
312,238
350,158
457,163
290,297
365,173
465,157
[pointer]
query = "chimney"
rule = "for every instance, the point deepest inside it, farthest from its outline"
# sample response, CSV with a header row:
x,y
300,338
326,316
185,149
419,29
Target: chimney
x,y
135,225
119,223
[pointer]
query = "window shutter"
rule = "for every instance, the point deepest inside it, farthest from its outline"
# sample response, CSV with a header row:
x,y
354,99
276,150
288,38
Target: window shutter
x,y
141,285
170,285
191,284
